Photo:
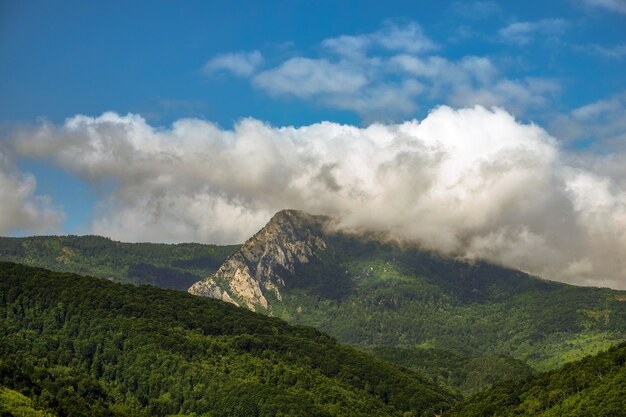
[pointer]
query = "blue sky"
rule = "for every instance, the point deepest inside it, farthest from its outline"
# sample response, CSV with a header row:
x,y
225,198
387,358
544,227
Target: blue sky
x,y
64,58
101,100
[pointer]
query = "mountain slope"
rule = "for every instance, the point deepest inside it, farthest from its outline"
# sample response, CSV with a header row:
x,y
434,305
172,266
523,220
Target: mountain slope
x,y
166,266
86,346
267,261
369,292
468,375
594,386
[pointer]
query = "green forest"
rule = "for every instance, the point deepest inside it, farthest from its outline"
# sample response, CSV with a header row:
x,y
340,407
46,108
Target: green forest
x,y
594,386
371,294
163,265
463,326
78,346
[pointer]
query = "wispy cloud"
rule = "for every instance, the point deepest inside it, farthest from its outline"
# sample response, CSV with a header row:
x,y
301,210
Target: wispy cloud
x,y
409,38
476,10
618,6
467,182
305,77
243,64
613,52
602,122
386,74
522,33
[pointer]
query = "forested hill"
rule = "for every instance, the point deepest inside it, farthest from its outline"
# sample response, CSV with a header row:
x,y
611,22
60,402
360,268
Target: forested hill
x,y
375,294
163,265
594,386
81,346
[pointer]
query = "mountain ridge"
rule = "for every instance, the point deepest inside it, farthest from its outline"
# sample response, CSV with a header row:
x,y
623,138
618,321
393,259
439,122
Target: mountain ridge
x,y
371,292
174,266
258,270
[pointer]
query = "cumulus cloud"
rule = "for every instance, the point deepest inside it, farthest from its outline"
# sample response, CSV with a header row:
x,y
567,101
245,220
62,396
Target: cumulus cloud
x,y
242,64
21,209
522,33
469,182
618,6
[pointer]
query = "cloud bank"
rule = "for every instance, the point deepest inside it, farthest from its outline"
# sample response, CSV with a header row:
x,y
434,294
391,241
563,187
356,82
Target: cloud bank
x,y
467,182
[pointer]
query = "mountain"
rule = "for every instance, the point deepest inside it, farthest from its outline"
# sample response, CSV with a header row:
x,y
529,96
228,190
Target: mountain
x,y
370,292
80,346
594,386
166,266
267,262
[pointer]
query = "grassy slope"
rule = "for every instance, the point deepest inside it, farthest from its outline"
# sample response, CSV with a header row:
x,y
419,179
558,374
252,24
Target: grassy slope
x,y
163,265
79,346
594,386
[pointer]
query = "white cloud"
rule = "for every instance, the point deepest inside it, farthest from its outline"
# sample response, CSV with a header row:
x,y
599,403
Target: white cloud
x,y
522,33
243,64
476,81
305,77
349,46
384,75
618,6
614,52
603,121
408,38
471,182
21,209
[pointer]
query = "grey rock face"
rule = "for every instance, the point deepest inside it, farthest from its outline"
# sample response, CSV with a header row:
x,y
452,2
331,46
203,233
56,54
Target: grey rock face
x,y
260,269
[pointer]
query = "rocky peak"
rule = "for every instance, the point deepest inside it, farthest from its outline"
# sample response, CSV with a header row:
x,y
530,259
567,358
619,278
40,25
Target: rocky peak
x,y
266,261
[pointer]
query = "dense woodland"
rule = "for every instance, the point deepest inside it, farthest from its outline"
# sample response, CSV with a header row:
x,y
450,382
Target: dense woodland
x,y
77,346
371,294
463,326
465,374
166,266
594,386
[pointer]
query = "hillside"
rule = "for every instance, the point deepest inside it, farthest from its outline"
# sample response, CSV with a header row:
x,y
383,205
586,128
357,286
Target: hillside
x,y
594,386
466,374
163,265
85,346
369,292
12,403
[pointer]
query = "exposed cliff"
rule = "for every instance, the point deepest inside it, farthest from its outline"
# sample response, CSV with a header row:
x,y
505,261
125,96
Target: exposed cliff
x,y
259,270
